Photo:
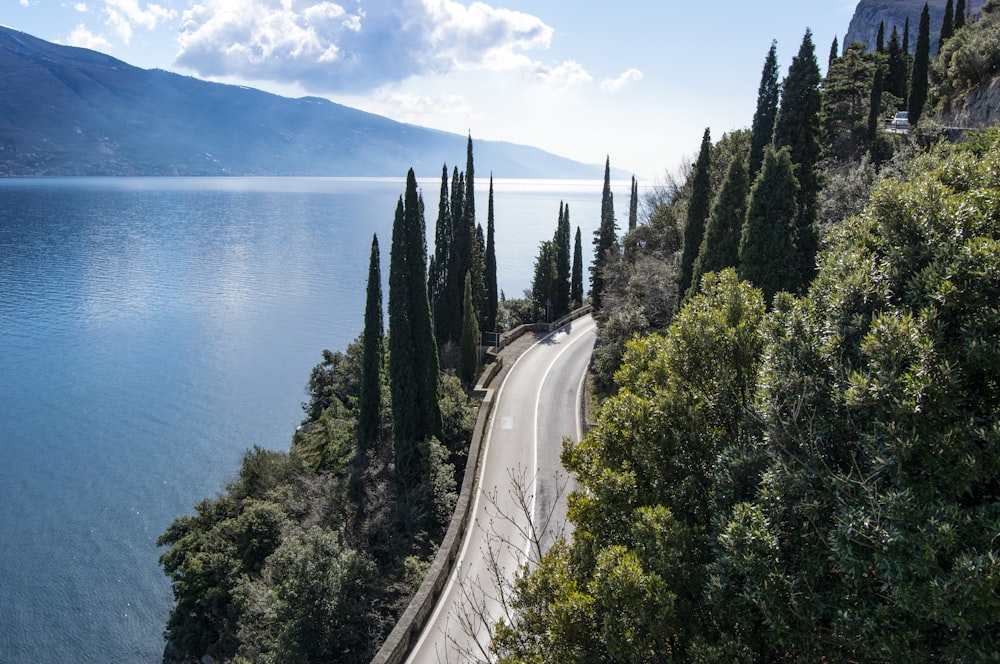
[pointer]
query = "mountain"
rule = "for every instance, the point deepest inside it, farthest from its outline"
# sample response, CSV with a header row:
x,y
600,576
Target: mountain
x,y
869,13
73,111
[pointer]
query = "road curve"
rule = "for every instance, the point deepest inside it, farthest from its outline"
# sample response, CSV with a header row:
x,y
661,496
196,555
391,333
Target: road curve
x,y
520,473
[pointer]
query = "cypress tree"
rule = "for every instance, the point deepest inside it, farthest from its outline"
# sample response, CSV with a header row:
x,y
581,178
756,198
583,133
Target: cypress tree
x,y
576,281
543,284
875,106
477,271
604,238
370,392
895,77
470,189
906,36
959,15
633,206
767,255
921,62
880,38
459,260
762,131
561,287
834,53
437,274
697,212
720,247
413,358
947,24
469,345
798,128
492,301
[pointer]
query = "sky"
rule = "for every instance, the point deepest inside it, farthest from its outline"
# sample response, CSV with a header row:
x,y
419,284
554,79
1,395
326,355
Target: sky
x,y
637,81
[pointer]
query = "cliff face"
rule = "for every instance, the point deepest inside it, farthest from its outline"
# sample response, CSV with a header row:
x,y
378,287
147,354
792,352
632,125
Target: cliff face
x,y
869,13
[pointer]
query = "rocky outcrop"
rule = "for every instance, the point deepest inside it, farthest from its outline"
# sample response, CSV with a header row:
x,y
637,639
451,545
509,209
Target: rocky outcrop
x,y
980,109
869,13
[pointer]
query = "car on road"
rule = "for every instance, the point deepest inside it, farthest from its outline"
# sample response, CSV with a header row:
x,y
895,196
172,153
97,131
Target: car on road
x,y
901,120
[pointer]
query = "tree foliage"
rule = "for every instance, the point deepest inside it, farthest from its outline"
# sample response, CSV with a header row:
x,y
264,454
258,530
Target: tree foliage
x,y
699,206
768,94
920,70
605,239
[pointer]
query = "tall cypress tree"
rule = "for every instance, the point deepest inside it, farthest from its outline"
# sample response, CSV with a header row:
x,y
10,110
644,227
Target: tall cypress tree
x,y
947,24
470,187
633,206
477,272
875,106
959,14
921,63
492,301
543,283
798,128
413,357
834,53
561,287
459,260
906,38
762,131
469,344
437,274
895,77
604,238
768,256
576,280
720,247
697,212
880,38
370,392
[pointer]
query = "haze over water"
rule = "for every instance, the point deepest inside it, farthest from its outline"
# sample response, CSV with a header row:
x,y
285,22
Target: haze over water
x,y
152,329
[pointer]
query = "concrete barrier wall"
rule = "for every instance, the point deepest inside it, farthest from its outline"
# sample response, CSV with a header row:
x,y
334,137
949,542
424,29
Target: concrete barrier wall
x,y
403,636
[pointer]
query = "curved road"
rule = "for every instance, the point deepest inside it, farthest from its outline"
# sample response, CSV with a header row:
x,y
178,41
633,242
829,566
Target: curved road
x,y
520,474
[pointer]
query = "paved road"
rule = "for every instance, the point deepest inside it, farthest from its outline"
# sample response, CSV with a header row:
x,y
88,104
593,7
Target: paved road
x,y
520,474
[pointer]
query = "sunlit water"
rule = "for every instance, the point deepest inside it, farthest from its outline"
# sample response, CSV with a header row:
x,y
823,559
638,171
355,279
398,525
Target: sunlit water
x,y
151,329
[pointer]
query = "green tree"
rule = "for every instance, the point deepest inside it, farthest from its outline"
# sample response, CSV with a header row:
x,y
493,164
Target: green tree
x,y
947,24
847,96
798,127
605,239
880,38
561,287
413,356
543,285
768,254
576,280
959,15
699,207
875,106
721,245
834,54
370,396
437,273
459,260
633,206
492,300
895,78
469,346
477,272
768,94
921,63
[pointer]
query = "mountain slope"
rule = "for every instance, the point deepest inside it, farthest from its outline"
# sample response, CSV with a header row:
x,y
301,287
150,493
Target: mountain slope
x,y
869,13
72,111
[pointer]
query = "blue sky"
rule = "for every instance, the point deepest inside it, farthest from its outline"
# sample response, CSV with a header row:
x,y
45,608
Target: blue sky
x,y
638,80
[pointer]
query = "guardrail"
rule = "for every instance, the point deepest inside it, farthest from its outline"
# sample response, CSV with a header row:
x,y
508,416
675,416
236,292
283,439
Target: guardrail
x,y
402,637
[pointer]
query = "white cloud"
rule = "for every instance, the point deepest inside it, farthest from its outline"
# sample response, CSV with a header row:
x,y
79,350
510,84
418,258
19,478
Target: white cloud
x,y
84,38
625,79
80,7
360,45
441,110
123,15
562,76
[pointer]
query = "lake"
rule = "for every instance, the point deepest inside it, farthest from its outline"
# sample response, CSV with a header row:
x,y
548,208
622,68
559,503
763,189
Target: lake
x,y
151,329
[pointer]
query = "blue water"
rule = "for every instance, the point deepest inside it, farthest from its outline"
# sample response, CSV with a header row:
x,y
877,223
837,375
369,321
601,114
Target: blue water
x,y
151,329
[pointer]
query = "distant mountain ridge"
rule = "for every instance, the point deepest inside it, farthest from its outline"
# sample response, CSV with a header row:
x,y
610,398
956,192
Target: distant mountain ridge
x,y
869,13
73,111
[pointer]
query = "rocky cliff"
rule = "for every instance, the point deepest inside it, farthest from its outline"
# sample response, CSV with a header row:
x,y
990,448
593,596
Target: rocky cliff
x,y
869,13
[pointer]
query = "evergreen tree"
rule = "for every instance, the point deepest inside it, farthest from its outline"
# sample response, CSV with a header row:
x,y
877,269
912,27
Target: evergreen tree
x,y
477,271
921,62
470,187
834,53
880,38
459,260
633,206
370,392
492,301
413,357
762,132
699,207
875,106
437,274
959,14
720,247
797,127
576,281
906,38
604,238
767,256
469,345
543,284
895,77
561,288
947,24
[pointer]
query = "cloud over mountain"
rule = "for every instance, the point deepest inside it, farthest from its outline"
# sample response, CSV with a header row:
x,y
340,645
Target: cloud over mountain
x,y
354,45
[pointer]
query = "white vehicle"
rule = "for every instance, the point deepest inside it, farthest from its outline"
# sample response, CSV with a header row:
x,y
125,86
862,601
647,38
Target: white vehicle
x,y
901,120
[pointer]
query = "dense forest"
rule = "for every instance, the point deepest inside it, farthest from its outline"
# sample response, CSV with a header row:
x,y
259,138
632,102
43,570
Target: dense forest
x,y
797,457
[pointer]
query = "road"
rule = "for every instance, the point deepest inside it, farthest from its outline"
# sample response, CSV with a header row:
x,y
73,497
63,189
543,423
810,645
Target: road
x,y
520,474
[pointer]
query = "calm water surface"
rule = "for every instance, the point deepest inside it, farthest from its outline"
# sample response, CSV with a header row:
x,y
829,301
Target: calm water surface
x,y
151,329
